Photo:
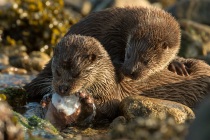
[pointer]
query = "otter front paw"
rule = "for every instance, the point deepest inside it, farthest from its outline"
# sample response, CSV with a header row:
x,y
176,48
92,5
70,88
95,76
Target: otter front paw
x,y
178,68
88,108
46,100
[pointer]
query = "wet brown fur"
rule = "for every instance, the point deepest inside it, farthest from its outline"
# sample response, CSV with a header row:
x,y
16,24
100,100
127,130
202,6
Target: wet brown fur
x,y
140,41
86,65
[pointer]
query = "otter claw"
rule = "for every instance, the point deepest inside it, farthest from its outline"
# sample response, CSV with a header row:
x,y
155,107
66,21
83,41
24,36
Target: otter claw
x,y
178,68
46,100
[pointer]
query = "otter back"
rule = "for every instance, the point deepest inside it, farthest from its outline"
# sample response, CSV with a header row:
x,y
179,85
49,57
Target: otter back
x,y
140,41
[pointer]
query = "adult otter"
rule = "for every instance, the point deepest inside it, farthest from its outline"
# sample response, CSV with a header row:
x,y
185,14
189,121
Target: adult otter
x,y
86,66
140,41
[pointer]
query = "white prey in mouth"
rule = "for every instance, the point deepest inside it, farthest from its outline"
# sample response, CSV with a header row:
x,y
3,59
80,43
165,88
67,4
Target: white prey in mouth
x,y
66,104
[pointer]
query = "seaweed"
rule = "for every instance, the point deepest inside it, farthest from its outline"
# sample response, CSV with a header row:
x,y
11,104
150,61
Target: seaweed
x,y
36,24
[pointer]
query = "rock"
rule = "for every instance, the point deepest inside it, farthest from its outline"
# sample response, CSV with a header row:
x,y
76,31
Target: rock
x,y
36,128
200,128
163,3
14,80
123,3
20,60
13,70
34,62
196,10
205,58
195,39
9,128
38,60
118,120
150,129
10,50
190,48
139,106
15,96
82,6
4,59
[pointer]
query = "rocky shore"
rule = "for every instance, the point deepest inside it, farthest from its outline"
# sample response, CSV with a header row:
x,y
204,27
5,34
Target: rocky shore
x,y
27,38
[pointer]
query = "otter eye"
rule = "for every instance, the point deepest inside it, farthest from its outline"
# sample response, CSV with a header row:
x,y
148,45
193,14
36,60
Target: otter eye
x,y
145,62
90,57
57,73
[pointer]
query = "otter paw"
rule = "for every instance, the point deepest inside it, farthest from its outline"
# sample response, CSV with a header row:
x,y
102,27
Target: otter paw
x,y
178,68
88,108
46,100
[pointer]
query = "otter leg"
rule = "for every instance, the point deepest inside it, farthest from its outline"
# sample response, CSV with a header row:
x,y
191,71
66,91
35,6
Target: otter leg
x,y
46,100
88,109
178,66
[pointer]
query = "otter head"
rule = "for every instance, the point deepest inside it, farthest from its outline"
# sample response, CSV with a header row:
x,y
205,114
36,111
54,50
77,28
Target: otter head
x,y
151,47
74,64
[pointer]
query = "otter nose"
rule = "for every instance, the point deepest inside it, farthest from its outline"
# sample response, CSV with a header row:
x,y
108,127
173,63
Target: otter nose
x,y
63,89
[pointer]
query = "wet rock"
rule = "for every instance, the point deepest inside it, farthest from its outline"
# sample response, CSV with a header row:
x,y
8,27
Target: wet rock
x,y
196,10
36,128
200,128
139,106
13,70
195,39
9,128
14,80
150,129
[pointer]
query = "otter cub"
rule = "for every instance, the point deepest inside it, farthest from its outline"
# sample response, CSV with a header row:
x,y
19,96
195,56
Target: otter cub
x,y
81,64
140,41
